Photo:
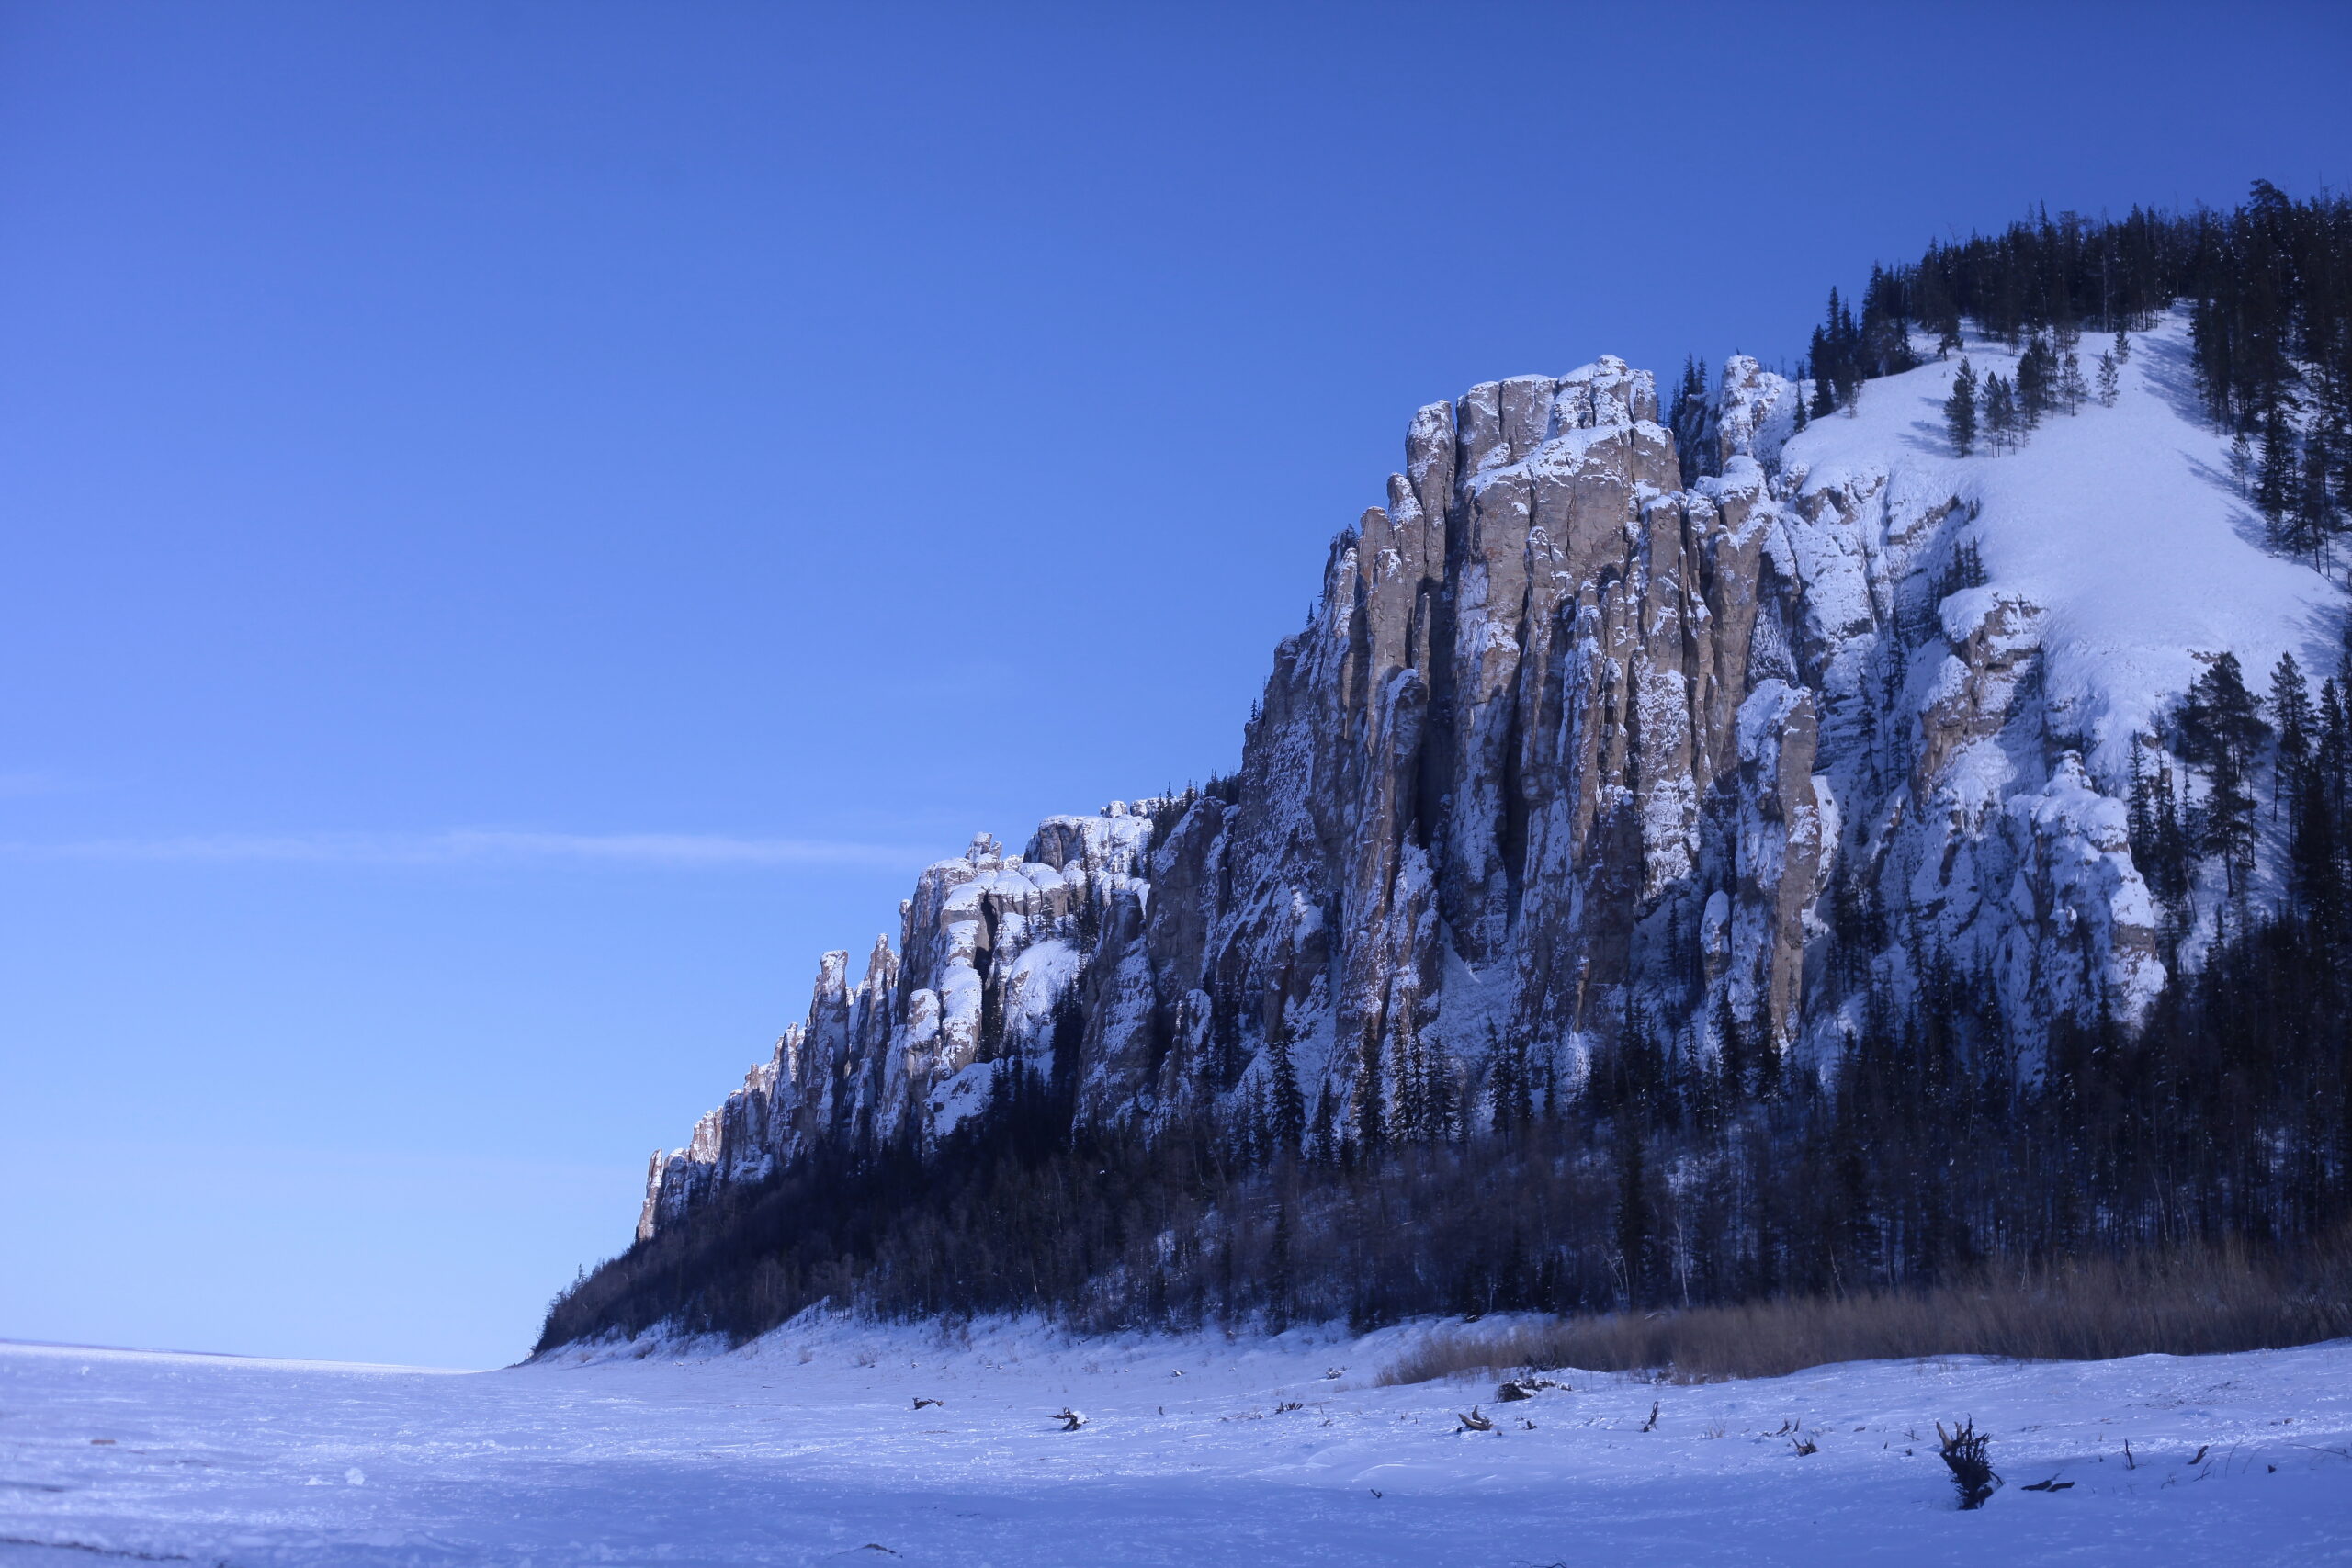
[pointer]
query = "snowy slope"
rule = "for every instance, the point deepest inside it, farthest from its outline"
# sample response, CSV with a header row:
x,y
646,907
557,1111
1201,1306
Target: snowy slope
x,y
2119,526
805,1448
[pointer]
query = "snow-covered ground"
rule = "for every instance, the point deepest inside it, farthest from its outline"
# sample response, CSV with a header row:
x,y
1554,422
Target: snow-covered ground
x,y
2121,526
807,1448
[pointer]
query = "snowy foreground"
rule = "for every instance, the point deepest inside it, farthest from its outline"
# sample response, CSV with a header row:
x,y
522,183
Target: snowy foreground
x,y
807,1447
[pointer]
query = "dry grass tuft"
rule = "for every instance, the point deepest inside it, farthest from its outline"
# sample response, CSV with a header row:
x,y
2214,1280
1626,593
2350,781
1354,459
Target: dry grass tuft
x,y
2188,1303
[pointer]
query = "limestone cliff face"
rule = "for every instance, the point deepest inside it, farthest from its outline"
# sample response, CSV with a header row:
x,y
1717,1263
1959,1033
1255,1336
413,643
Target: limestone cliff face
x,y
1591,728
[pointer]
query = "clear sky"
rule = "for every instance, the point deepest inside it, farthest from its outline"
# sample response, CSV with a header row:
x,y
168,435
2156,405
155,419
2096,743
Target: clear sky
x,y
527,523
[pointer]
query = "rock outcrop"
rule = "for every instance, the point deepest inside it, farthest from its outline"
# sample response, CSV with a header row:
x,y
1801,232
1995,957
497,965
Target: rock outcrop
x,y
1575,743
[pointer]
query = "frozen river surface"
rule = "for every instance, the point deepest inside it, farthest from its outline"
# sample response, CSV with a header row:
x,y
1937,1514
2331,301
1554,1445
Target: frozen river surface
x,y
808,1447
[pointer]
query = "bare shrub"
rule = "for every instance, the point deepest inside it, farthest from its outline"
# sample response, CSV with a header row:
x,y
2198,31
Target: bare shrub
x,y
2190,1302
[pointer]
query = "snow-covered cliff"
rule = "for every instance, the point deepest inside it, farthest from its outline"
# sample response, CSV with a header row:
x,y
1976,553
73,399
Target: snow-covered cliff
x,y
1578,741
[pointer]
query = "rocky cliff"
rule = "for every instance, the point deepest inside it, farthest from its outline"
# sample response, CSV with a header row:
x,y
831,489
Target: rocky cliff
x,y
1598,727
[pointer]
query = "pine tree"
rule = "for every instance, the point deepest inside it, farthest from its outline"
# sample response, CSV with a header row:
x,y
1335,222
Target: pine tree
x,y
2071,389
1371,1108
2274,483
2344,663
1688,416
1883,345
1694,382
2140,813
2110,383
2221,725
2316,867
1999,412
2122,347
2315,862
1731,1052
2311,520
2241,465
1633,1223
1512,1087
1835,356
2153,819
2035,377
2291,715
1764,1056
1322,1137
2331,746
2227,828
2218,715
1959,409
1822,355
1948,339
1849,351
2171,860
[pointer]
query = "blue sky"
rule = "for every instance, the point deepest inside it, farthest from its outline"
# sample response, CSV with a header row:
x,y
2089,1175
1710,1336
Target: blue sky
x,y
525,524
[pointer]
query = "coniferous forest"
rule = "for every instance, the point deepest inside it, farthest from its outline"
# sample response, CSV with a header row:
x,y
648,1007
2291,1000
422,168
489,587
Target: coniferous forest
x,y
1935,1150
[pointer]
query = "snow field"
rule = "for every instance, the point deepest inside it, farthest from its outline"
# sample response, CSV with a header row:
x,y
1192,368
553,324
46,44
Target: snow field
x,y
807,1447
2120,525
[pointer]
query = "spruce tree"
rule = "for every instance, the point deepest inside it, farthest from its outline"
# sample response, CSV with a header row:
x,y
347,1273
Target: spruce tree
x,y
2110,383
1959,409
2122,347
